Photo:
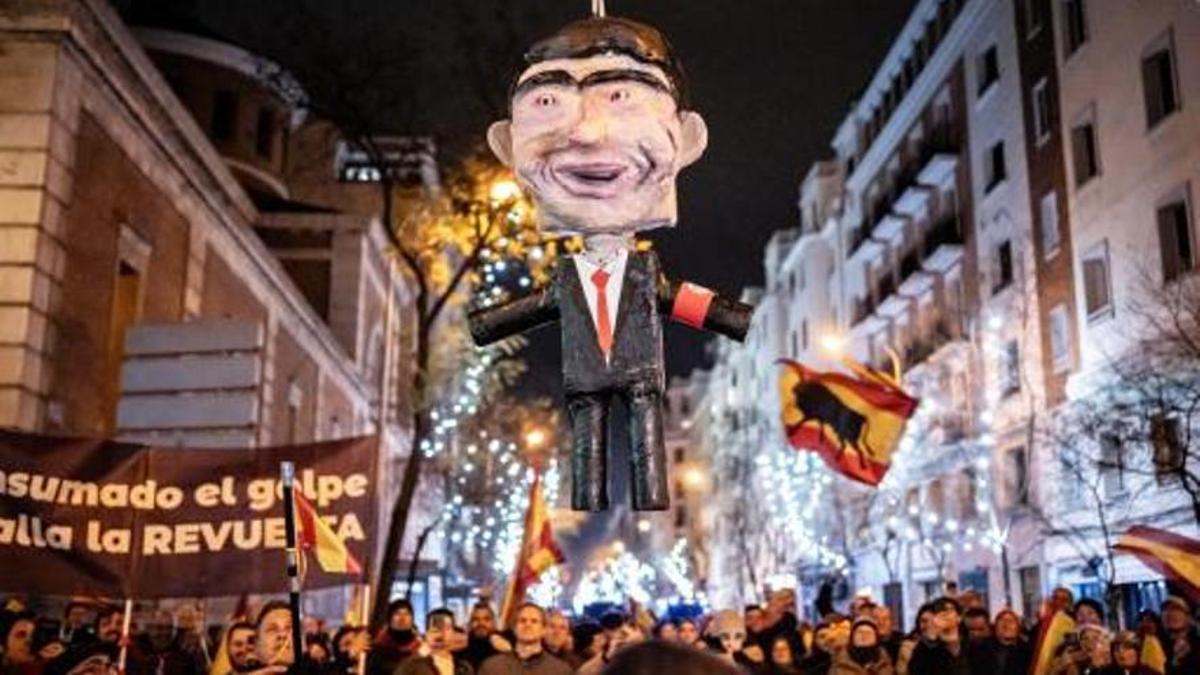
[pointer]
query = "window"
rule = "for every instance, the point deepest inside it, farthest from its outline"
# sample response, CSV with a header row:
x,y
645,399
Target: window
x,y
1004,267
1175,242
1050,233
989,69
1031,591
1112,465
804,334
224,115
794,343
1075,31
1018,487
970,494
264,137
1167,442
1159,81
995,170
1041,112
1060,338
1097,292
1033,18
1085,150
1009,368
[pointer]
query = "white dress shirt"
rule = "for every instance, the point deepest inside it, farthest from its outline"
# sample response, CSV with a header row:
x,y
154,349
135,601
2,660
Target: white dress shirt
x,y
612,290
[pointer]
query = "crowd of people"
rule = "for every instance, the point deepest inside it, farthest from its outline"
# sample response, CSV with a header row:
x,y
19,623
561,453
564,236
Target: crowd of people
x,y
953,636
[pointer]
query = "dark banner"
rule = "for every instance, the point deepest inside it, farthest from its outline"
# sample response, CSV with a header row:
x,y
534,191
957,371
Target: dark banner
x,y
82,516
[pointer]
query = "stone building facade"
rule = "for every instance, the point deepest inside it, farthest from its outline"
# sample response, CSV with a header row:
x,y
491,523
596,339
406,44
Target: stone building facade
x,y
147,213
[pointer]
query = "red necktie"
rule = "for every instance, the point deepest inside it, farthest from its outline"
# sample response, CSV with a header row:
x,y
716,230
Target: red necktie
x,y
603,329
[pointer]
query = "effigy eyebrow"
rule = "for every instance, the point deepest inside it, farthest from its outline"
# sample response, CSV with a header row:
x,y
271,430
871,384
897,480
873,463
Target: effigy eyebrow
x,y
563,78
626,75
545,78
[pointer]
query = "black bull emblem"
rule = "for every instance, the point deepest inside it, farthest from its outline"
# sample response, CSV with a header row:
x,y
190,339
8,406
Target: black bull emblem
x,y
817,404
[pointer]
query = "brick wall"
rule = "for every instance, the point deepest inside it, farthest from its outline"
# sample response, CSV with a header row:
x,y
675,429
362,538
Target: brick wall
x,y
110,193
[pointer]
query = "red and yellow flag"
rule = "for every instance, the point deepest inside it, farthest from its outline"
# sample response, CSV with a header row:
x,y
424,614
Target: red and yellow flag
x,y
852,422
539,552
1053,631
1174,556
315,535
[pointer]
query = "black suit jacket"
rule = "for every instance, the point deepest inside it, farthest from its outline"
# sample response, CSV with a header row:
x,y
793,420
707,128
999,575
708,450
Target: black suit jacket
x,y
637,352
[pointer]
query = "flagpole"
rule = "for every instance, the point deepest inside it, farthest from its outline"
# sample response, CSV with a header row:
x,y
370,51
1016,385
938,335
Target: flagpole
x,y
364,609
288,474
128,615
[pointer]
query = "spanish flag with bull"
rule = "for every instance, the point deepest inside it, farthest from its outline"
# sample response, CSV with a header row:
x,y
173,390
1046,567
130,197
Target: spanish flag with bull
x,y
853,421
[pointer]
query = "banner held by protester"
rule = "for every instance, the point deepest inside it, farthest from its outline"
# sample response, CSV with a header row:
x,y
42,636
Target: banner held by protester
x,y
123,520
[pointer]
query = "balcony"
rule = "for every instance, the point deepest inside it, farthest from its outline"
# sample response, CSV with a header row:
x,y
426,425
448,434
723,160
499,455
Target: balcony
x,y
944,244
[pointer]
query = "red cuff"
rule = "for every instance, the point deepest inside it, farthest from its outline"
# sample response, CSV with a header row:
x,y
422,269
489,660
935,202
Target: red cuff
x,y
691,304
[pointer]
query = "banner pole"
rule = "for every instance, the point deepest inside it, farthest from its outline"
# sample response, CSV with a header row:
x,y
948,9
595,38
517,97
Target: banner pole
x,y
364,619
288,474
125,619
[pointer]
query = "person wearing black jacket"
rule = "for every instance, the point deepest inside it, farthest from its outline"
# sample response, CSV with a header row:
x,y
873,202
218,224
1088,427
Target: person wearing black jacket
x,y
395,642
1006,652
948,654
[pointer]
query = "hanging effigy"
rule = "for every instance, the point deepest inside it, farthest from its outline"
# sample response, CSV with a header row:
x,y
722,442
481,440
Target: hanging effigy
x,y
599,128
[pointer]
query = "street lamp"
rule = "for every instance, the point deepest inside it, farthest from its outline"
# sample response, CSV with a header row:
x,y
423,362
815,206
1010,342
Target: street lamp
x,y
693,478
535,439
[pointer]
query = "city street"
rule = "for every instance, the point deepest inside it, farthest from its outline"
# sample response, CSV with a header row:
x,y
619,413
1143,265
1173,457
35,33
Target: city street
x,y
517,336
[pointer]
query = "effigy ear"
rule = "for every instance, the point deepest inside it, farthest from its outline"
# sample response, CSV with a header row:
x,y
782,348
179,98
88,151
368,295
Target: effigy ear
x,y
694,137
499,138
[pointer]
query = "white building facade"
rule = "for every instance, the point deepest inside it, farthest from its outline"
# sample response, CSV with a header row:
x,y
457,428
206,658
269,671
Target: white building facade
x,y
948,237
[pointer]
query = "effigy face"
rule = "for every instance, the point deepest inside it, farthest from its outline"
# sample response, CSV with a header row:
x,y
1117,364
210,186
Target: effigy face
x,y
597,142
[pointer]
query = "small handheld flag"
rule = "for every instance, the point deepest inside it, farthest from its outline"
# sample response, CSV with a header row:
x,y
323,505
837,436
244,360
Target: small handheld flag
x,y
853,422
318,537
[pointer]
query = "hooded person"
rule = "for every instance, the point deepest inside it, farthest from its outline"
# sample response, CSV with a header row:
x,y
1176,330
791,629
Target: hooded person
x,y
395,642
864,653
598,131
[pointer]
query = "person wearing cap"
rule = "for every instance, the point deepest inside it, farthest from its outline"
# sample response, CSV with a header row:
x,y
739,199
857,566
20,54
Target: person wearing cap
x,y
436,657
947,655
395,642
599,128
1183,643
863,655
